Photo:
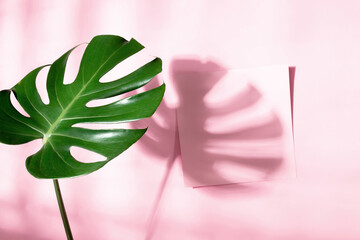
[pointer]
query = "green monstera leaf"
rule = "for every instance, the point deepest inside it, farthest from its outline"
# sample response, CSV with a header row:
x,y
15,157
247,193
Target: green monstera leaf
x,y
54,122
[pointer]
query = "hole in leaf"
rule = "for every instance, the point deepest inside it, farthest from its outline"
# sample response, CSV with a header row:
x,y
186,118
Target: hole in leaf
x,y
103,125
41,85
127,66
85,156
102,102
17,105
155,82
73,64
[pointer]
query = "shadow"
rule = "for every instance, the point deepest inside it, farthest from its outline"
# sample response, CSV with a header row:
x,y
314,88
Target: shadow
x,y
292,85
4,234
153,216
160,136
212,157
161,140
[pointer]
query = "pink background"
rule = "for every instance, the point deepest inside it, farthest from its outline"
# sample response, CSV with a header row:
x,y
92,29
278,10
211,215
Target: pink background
x,y
141,195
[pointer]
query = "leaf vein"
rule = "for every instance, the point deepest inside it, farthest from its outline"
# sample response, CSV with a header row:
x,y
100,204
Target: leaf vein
x,y
39,131
61,157
36,108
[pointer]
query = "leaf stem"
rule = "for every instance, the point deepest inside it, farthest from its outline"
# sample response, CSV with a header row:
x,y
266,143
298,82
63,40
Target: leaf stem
x,y
62,210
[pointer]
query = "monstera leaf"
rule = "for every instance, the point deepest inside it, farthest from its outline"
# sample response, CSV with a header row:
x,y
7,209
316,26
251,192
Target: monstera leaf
x,y
54,122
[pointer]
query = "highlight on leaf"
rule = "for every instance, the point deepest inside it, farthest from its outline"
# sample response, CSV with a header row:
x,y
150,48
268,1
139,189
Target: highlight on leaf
x,y
54,122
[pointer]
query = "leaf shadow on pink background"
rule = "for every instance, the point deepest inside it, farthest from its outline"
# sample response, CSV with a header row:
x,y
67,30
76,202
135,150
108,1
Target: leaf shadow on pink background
x,y
163,135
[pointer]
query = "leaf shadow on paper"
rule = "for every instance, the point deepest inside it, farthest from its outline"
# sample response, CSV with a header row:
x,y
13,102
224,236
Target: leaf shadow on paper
x,y
208,151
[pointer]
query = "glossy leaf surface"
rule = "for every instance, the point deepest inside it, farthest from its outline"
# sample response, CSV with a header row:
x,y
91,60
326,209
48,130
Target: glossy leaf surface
x,y
54,122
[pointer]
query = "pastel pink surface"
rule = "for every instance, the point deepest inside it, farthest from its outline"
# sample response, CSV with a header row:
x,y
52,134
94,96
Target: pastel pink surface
x,y
235,126
141,194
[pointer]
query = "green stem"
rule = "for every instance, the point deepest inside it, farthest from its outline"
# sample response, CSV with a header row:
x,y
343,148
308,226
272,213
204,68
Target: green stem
x,y
62,210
